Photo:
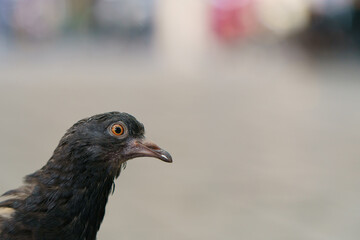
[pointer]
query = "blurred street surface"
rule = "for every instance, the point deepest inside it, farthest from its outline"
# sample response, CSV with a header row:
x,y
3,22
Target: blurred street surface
x,y
265,138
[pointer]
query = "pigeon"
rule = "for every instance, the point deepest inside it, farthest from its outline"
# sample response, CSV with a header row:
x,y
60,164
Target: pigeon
x,y
66,198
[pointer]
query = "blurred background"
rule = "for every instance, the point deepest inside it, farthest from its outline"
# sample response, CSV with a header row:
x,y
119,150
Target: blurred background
x,y
257,101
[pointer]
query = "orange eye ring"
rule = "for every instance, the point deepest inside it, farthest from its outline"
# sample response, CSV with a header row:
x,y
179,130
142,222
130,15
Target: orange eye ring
x,y
117,129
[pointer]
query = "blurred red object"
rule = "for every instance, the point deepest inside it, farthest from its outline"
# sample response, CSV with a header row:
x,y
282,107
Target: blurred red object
x,y
232,19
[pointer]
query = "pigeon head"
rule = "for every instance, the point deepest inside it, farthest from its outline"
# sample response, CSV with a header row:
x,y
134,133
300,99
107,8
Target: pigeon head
x,y
108,139
66,198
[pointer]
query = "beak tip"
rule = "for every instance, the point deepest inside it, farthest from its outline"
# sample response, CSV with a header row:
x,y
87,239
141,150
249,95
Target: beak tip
x,y
166,158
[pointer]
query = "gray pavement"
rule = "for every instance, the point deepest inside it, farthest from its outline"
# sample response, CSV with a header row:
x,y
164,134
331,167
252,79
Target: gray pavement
x,y
265,140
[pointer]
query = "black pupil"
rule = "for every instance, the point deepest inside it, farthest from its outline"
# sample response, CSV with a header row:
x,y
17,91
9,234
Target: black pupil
x,y
118,130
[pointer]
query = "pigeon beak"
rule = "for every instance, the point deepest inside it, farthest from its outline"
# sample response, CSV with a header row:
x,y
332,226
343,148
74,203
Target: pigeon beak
x,y
139,148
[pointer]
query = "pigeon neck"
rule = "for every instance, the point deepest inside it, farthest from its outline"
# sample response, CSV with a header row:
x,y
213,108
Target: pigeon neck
x,y
76,195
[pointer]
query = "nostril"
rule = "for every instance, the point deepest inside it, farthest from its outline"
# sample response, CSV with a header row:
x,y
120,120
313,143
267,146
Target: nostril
x,y
152,145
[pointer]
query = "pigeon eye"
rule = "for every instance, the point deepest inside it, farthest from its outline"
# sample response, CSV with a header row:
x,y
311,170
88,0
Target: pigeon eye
x,y
117,129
